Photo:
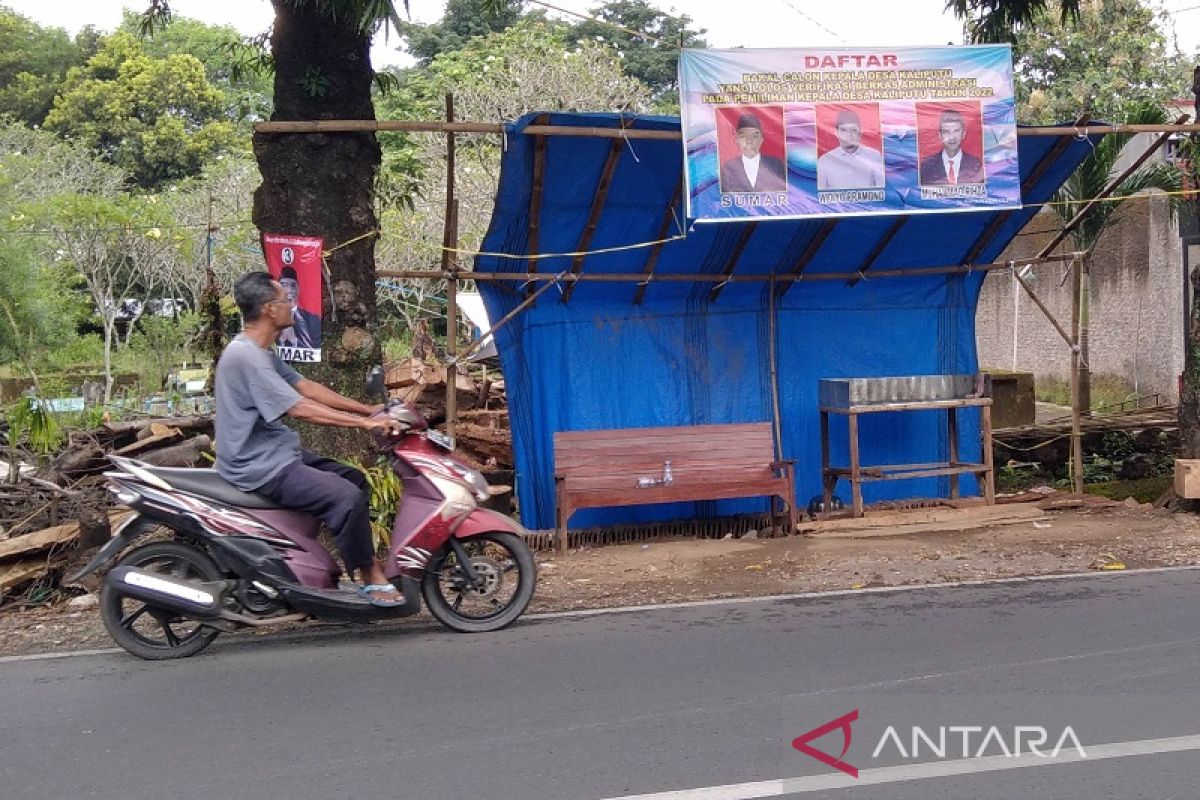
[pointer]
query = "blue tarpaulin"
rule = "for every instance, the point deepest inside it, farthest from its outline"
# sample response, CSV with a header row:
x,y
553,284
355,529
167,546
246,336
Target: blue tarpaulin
x,y
620,355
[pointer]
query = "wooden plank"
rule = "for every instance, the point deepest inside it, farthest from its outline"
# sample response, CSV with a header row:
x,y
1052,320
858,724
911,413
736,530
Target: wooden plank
x,y
680,468
649,452
952,442
916,405
49,537
21,572
687,480
670,494
623,460
38,540
698,432
924,473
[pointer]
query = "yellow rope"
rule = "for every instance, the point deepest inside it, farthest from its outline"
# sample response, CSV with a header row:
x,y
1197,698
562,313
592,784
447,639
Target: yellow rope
x,y
537,256
366,235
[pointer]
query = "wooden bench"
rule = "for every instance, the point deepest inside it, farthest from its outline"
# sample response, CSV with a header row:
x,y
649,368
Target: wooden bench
x,y
625,467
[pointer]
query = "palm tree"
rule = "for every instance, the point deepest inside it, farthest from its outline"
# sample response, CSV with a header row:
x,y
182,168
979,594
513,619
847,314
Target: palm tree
x,y
999,20
1092,176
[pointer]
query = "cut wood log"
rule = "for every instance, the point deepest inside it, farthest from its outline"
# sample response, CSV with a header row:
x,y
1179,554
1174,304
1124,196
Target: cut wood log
x,y
81,460
202,423
151,442
485,444
185,454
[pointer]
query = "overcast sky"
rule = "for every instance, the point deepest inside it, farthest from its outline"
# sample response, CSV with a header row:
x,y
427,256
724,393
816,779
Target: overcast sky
x,y
730,23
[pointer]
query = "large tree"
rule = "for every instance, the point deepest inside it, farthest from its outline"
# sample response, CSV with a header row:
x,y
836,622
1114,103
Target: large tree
x,y
648,41
462,21
33,63
1112,55
157,118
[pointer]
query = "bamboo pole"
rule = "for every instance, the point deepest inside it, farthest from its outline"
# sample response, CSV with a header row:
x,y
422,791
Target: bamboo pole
x,y
450,239
639,277
1076,415
507,318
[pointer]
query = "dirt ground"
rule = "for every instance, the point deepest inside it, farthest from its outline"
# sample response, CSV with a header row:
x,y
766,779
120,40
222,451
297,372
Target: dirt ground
x,y
663,571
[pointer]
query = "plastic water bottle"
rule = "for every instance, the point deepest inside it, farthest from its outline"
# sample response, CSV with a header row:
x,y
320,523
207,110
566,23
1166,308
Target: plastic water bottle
x,y
667,476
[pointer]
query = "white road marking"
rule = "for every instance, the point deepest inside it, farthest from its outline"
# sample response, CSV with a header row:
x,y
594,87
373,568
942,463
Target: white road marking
x,y
922,771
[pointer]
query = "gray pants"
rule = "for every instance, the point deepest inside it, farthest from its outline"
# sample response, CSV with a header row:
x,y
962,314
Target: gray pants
x,y
334,493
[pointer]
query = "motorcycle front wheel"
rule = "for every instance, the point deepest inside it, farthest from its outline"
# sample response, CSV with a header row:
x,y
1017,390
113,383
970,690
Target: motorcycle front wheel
x,y
507,576
148,631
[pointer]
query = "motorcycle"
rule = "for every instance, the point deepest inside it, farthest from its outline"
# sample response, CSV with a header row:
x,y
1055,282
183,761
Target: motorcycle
x,y
238,560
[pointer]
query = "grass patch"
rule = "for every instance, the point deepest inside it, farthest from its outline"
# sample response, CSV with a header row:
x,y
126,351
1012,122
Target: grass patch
x,y
1108,392
1146,490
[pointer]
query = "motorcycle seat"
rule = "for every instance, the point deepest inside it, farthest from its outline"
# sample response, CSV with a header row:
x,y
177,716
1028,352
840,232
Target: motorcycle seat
x,y
207,483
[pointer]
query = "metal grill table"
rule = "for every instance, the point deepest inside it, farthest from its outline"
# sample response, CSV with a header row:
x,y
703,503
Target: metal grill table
x,y
855,396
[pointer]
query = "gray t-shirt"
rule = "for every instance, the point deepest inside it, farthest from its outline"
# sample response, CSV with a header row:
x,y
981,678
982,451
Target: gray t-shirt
x,y
253,390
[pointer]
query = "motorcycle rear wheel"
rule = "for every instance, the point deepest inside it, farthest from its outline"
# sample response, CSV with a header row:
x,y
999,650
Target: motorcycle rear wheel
x,y
504,562
150,632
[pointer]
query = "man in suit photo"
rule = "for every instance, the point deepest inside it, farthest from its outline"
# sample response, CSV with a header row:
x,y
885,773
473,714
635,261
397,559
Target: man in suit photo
x,y
850,165
951,164
306,326
751,171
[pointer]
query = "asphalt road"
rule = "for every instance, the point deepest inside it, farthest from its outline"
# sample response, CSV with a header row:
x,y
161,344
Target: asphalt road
x,y
592,708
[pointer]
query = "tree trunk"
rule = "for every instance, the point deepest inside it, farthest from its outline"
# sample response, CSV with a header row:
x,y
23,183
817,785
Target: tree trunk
x,y
1189,390
322,184
109,330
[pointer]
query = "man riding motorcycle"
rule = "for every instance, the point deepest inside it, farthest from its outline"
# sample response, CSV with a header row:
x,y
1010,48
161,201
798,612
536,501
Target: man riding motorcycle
x,y
254,390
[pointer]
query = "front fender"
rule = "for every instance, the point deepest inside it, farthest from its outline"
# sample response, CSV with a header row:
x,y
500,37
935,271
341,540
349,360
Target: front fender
x,y
482,520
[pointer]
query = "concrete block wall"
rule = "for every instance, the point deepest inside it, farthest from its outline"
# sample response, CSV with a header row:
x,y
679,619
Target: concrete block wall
x,y
1137,285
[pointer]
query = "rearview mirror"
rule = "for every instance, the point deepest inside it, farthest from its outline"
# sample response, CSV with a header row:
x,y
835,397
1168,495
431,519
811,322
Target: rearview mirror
x,y
375,387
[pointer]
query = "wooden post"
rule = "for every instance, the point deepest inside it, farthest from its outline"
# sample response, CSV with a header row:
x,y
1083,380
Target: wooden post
x,y
449,242
828,482
985,434
952,455
1076,412
855,473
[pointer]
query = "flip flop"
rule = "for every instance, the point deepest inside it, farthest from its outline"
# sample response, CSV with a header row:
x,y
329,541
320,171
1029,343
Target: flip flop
x,y
365,591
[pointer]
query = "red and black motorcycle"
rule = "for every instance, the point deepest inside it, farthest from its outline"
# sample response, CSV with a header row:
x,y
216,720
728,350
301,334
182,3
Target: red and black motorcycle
x,y
235,559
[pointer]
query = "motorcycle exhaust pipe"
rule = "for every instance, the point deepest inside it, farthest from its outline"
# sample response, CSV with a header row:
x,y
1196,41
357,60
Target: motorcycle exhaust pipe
x,y
189,598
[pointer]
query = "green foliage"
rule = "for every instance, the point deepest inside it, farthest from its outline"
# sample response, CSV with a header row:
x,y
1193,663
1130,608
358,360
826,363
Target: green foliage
x,y
652,58
1001,20
33,63
463,20
1112,59
160,119
1108,392
1097,170
156,344
239,67
385,489
33,423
